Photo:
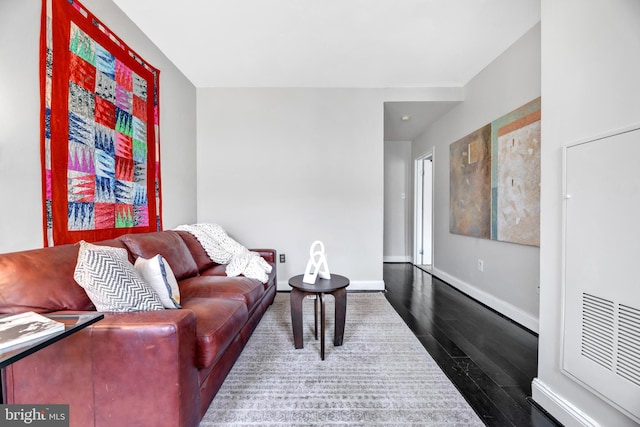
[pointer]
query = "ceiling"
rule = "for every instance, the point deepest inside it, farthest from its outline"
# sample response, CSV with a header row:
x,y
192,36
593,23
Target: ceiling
x,y
335,43
404,121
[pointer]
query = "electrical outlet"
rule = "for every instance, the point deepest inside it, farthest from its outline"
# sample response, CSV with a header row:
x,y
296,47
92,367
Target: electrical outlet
x,y
282,258
480,265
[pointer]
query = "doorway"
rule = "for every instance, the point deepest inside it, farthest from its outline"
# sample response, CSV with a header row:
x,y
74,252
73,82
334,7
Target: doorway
x,y
423,218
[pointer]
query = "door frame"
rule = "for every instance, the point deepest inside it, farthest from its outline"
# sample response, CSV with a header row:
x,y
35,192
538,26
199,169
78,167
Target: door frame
x,y
419,205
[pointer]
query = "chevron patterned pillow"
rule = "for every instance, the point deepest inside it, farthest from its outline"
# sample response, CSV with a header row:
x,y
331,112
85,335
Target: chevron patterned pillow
x,y
111,282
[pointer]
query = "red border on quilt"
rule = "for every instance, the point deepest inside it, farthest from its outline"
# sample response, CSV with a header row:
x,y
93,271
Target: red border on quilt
x,y
63,13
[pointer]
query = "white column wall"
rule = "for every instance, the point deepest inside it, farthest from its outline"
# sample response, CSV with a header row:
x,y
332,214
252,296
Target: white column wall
x,y
398,202
590,86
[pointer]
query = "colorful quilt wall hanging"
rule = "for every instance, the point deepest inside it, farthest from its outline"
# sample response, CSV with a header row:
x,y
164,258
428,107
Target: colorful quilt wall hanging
x,y
100,143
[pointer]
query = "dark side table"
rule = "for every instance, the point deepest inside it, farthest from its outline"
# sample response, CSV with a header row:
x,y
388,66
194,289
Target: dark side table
x,y
335,286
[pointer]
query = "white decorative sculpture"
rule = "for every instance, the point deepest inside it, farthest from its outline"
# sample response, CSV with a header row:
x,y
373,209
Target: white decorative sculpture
x,y
317,264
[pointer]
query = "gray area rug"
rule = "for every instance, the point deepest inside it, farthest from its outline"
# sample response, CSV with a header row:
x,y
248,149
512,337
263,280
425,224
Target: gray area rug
x,y
381,375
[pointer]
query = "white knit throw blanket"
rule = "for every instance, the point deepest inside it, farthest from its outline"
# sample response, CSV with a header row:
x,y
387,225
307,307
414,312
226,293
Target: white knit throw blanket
x,y
222,249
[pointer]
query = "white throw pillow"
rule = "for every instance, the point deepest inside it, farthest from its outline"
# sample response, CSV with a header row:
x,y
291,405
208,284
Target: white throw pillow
x,y
111,282
158,274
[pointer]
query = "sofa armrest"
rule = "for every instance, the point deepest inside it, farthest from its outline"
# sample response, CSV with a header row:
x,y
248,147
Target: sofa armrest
x,y
139,354
110,371
268,254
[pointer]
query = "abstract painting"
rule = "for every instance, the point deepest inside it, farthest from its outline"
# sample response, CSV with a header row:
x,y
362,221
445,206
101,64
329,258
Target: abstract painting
x,y
516,185
100,145
470,184
495,179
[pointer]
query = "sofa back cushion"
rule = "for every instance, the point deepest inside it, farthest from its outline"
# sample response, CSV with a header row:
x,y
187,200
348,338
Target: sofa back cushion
x,y
166,243
41,280
115,243
200,256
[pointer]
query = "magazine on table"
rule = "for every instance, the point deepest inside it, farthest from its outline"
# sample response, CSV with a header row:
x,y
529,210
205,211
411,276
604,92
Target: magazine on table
x,y
19,328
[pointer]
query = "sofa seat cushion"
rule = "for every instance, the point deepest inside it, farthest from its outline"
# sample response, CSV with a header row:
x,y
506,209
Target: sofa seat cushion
x,y
238,288
218,321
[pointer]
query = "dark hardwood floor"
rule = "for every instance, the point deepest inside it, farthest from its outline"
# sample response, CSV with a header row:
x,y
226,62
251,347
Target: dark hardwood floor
x,y
490,359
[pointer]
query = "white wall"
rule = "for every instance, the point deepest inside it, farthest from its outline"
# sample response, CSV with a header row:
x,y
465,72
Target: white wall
x,y
590,86
284,167
20,171
398,202
510,279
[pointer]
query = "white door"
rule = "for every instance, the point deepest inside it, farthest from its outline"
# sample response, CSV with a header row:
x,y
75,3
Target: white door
x,y
424,210
427,208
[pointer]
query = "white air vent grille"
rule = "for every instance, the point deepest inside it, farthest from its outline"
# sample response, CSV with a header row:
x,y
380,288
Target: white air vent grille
x,y
598,328
628,365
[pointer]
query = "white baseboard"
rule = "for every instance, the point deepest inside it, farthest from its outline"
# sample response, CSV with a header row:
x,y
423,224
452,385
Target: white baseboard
x,y
397,259
355,285
512,312
560,408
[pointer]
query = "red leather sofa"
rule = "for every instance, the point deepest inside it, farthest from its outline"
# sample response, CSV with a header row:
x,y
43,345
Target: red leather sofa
x,y
153,368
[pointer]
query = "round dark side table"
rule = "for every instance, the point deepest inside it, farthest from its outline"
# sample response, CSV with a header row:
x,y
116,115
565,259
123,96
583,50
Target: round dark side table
x,y
335,286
